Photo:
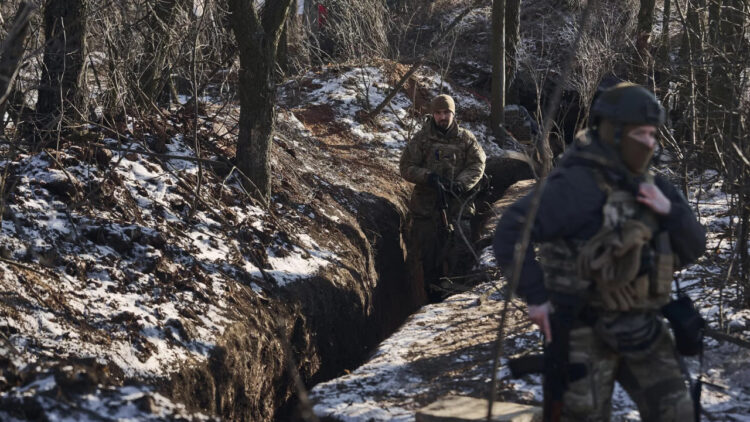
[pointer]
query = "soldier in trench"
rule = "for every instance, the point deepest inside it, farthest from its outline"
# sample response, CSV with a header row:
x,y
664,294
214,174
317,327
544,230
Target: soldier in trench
x,y
610,235
445,162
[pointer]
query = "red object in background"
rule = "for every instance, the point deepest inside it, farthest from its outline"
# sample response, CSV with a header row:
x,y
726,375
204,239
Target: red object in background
x,y
322,15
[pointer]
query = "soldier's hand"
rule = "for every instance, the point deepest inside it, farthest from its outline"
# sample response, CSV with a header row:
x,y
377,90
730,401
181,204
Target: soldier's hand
x,y
651,196
436,181
539,315
459,189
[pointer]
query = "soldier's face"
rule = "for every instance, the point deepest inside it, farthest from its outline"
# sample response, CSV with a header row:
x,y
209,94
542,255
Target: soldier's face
x,y
645,135
637,147
443,118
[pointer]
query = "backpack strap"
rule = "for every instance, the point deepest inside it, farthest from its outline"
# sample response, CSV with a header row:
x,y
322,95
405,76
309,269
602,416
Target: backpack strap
x,y
601,182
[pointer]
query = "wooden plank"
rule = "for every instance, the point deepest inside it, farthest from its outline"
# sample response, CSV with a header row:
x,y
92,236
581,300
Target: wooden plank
x,y
465,409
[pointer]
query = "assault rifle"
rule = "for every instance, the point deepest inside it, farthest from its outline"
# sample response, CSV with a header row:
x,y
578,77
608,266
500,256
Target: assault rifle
x,y
553,364
442,206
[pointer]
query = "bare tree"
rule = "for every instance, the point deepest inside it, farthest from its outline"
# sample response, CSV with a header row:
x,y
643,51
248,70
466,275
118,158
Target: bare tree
x,y
64,56
497,112
691,40
714,14
665,46
512,34
257,30
349,30
155,59
11,52
728,84
643,38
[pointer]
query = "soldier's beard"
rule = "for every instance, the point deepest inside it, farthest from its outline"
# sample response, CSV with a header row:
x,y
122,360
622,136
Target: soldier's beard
x,y
635,154
443,124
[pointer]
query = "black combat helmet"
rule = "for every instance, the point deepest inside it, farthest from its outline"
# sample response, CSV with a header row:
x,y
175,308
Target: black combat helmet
x,y
627,104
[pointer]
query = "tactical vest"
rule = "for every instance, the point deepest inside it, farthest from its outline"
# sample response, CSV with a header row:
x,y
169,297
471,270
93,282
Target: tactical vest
x,y
627,265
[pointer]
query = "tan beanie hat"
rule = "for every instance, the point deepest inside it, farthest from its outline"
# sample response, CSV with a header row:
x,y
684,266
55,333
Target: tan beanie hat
x,y
443,102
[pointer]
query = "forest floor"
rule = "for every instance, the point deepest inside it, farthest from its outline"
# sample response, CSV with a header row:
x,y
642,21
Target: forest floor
x,y
118,272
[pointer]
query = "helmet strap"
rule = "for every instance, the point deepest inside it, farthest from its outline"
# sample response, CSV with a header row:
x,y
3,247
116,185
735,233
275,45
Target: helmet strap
x,y
617,138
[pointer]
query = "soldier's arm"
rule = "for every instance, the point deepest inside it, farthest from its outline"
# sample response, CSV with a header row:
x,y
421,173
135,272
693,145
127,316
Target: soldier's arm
x,y
570,206
475,162
507,234
410,164
688,236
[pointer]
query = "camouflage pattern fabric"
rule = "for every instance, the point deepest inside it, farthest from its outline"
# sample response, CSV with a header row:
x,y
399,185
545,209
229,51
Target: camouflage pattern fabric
x,y
632,347
629,341
433,254
650,376
456,156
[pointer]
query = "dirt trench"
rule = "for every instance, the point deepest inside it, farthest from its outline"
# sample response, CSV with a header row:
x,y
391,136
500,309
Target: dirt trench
x,y
335,319
331,322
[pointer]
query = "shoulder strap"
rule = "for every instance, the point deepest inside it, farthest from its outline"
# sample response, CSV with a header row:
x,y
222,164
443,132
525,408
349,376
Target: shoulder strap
x,y
601,181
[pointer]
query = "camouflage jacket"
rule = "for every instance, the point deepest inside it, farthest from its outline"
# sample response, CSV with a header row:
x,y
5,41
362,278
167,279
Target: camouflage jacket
x,y
456,156
571,211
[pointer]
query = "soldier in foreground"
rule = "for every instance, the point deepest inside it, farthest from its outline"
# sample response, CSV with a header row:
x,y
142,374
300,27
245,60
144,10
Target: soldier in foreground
x,y
444,162
610,235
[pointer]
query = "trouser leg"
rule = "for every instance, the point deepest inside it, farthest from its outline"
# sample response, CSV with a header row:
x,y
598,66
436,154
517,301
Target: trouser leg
x,y
656,384
458,257
589,398
425,246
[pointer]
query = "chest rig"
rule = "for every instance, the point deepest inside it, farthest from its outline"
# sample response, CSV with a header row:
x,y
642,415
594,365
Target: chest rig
x,y
445,156
627,265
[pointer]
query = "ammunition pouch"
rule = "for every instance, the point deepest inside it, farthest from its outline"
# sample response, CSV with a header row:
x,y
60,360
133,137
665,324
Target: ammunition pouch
x,y
687,325
558,259
612,259
662,273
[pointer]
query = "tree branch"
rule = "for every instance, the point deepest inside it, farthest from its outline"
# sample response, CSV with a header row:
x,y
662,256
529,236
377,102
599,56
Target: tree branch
x,y
273,17
12,49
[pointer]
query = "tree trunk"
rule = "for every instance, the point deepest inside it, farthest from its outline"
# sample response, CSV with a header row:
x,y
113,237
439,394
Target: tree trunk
x,y
11,56
257,39
497,112
64,56
714,17
283,49
727,68
643,36
257,98
155,63
512,34
665,26
664,61
690,49
691,38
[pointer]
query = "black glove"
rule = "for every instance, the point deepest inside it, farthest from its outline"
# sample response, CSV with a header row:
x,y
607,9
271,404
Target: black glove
x,y
459,189
434,180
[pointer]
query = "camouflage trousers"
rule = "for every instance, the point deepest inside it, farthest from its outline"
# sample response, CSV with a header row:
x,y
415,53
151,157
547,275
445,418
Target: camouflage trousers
x,y
434,253
651,377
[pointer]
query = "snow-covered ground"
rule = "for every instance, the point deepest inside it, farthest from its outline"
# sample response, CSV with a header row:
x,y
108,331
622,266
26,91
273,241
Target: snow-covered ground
x,y
93,287
358,90
445,348
726,391
114,272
